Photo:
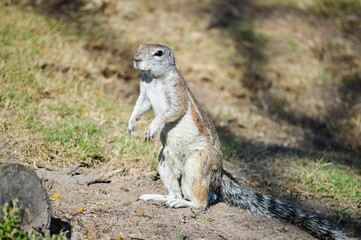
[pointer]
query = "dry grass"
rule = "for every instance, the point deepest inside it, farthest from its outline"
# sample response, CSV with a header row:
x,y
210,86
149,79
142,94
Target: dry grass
x,y
53,111
325,180
277,72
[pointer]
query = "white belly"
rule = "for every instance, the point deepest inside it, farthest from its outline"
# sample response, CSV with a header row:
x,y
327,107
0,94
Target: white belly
x,y
157,97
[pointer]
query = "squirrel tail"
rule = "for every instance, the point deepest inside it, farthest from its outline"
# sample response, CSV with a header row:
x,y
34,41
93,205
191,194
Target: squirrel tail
x,y
268,206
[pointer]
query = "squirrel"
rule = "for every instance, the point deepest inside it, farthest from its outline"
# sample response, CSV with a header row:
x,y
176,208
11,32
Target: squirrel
x,y
190,161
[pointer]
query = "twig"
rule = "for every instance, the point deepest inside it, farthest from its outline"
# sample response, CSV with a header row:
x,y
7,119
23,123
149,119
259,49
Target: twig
x,y
227,214
70,169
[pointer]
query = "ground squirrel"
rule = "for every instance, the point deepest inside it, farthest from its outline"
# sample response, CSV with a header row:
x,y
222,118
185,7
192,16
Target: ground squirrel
x,y
190,161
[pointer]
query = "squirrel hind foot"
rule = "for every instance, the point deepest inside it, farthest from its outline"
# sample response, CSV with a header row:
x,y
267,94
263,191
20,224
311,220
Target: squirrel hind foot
x,y
179,203
154,197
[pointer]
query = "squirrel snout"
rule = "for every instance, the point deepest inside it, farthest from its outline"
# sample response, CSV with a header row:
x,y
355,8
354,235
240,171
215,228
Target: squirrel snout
x,y
137,59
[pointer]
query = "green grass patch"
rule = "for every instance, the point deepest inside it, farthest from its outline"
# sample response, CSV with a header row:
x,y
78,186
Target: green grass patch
x,y
137,148
332,8
247,32
67,110
230,149
12,72
26,38
80,138
326,179
10,226
236,150
19,50
293,45
76,137
30,119
22,80
326,8
116,112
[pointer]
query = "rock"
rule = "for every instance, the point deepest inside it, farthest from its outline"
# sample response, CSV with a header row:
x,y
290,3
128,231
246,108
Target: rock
x,y
22,183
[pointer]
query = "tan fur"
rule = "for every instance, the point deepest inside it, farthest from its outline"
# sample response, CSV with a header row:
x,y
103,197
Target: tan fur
x,y
191,153
198,119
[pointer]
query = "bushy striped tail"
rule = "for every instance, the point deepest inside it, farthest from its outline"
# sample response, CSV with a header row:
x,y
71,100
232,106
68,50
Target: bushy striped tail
x,y
268,206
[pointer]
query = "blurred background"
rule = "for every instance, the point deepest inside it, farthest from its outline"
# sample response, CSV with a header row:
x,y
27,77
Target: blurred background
x,y
281,80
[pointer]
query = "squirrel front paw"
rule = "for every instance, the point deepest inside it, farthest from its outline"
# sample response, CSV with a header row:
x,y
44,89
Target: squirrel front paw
x,y
154,127
150,133
131,126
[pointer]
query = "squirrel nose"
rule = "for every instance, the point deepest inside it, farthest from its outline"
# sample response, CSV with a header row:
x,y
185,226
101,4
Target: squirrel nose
x,y
137,58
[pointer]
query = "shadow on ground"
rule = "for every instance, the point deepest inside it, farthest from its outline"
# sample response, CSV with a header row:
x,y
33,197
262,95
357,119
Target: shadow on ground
x,y
323,133
253,164
58,226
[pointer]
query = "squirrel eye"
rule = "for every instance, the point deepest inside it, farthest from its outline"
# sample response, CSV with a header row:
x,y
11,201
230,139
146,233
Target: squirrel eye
x,y
158,53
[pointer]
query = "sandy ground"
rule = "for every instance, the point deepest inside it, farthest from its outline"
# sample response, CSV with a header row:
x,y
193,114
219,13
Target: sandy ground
x,y
111,211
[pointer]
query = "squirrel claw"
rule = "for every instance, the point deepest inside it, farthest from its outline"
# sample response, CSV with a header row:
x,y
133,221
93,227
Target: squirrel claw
x,y
131,127
149,135
147,139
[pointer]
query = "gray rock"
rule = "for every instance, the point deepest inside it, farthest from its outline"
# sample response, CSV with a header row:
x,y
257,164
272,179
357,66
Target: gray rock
x,y
22,183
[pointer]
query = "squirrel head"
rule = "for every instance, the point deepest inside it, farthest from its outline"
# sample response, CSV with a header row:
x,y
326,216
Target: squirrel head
x,y
154,59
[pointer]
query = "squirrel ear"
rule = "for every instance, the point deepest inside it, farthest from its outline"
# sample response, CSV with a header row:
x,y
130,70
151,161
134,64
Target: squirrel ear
x,y
171,56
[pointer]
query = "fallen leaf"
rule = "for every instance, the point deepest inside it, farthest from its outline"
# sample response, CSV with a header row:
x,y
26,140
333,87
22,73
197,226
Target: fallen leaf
x,y
141,212
80,209
42,52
